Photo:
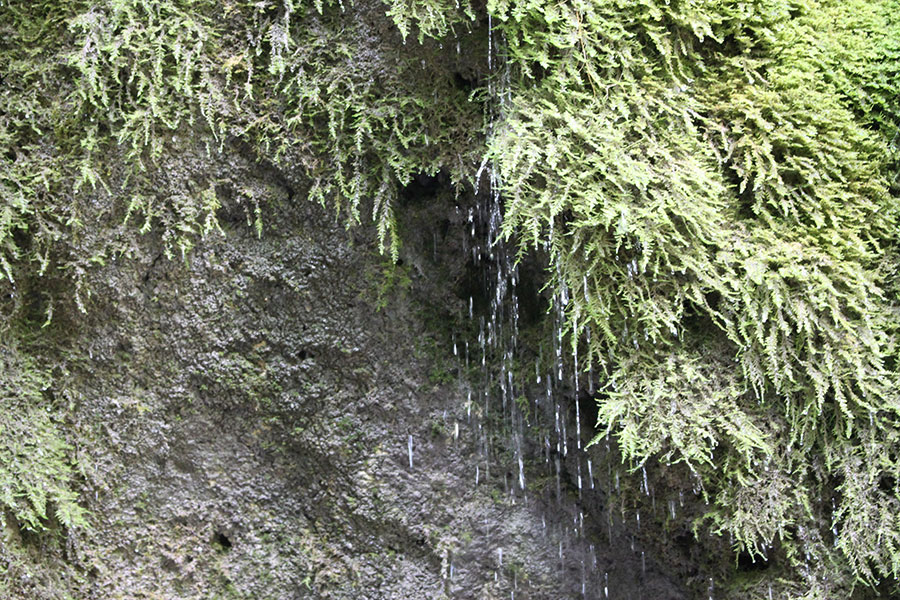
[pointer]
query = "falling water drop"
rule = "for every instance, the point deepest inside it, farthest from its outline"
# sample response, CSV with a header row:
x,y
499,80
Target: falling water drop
x,y
583,580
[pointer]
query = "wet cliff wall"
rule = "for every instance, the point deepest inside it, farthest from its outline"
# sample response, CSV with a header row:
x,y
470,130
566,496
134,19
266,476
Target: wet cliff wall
x,y
675,221
282,416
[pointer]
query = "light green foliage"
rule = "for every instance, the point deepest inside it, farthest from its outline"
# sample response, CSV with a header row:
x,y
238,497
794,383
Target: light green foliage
x,y
712,182
715,183
36,476
369,135
313,87
431,18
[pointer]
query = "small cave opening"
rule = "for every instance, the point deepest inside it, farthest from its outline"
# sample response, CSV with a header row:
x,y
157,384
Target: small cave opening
x,y
222,542
464,83
423,187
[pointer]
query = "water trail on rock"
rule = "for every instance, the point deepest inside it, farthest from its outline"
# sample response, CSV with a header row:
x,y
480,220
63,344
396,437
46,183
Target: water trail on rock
x,y
514,417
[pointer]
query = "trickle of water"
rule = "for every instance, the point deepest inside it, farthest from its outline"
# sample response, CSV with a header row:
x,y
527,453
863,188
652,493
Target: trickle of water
x,y
583,580
609,525
577,414
834,529
409,447
579,477
490,43
558,483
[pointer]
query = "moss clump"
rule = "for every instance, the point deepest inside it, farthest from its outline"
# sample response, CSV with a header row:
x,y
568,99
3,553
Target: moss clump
x,y
316,89
715,184
36,473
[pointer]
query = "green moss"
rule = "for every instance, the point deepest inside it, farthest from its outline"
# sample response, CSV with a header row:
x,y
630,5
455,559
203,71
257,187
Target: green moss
x,y
36,473
715,184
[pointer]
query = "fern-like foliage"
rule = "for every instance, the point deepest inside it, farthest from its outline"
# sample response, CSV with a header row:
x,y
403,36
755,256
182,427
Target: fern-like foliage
x,y
715,184
36,474
712,181
312,86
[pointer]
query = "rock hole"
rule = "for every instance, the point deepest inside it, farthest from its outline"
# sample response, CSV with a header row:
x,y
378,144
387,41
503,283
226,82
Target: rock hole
x,y
461,82
423,187
684,541
222,541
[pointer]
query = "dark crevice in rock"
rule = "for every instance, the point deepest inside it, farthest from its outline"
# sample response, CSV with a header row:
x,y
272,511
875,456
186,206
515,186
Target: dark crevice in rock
x,y
222,541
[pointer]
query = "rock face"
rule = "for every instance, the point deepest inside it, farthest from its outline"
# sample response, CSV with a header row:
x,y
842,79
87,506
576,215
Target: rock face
x,y
255,426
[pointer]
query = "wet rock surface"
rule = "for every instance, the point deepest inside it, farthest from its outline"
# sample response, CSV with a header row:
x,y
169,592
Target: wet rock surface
x,y
277,417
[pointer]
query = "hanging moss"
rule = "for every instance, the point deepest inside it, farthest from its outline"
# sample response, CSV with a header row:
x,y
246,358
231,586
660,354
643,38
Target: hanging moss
x,y
715,184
